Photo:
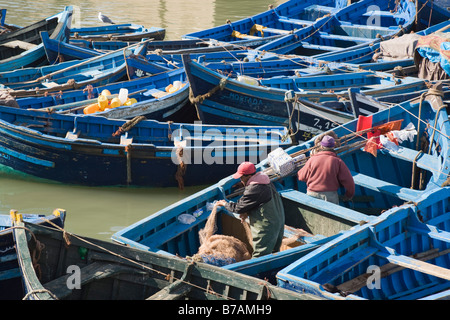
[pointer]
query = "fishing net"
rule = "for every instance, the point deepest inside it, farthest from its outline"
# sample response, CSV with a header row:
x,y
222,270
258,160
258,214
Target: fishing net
x,y
218,249
7,100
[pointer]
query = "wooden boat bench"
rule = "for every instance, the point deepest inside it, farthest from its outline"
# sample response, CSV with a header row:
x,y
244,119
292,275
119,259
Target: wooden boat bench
x,y
422,160
327,207
175,291
320,47
363,30
91,272
384,187
300,23
19,44
326,35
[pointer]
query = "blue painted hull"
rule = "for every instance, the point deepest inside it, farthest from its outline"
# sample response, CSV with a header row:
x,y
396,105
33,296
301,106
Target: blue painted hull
x,y
409,256
35,56
97,156
381,183
9,269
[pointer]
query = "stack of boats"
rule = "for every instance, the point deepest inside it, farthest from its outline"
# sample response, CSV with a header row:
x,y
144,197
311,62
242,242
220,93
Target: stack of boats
x,y
102,106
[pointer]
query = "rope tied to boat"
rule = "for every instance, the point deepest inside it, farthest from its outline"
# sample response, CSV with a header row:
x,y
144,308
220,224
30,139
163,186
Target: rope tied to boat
x,y
128,125
200,98
36,252
40,291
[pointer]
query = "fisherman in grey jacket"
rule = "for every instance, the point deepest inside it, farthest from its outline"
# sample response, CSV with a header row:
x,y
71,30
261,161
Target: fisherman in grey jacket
x,y
262,204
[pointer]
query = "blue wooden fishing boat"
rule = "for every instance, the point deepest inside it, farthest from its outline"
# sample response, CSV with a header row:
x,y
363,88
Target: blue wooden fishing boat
x,y
357,25
128,32
292,16
296,27
91,150
269,25
112,272
11,287
152,100
377,57
382,182
287,100
99,70
24,48
58,51
402,255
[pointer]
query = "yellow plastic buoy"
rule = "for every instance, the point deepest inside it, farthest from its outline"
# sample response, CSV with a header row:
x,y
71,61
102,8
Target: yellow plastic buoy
x,y
91,108
115,102
130,102
106,93
102,102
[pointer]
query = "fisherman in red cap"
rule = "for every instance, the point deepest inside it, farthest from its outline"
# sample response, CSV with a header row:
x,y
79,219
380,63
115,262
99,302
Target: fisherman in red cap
x,y
324,173
262,204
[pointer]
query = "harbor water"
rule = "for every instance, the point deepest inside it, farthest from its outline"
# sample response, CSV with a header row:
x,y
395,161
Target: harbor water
x,y
101,211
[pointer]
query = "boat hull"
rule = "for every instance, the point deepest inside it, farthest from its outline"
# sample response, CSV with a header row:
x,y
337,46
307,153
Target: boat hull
x,y
99,156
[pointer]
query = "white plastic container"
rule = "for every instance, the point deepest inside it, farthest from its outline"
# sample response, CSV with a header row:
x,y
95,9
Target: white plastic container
x,y
123,95
248,80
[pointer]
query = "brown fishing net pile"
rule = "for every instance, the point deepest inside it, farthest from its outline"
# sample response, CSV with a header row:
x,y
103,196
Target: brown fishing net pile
x,y
221,249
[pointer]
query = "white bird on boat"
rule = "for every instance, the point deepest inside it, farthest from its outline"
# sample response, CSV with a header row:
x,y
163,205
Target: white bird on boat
x,y
104,18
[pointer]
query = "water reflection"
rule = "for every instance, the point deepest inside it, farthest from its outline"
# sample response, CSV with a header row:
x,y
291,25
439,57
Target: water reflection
x,y
178,17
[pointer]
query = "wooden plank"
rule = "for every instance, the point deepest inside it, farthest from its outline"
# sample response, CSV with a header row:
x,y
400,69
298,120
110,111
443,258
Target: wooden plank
x,y
19,44
345,263
359,282
344,38
91,272
384,187
175,291
431,232
416,265
295,21
328,207
30,279
423,160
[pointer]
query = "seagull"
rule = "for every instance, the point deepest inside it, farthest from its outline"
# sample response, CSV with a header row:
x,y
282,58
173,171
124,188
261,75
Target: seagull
x,y
104,18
